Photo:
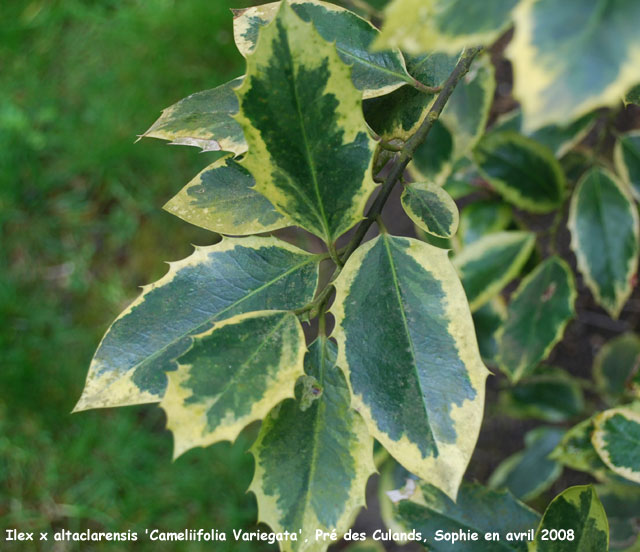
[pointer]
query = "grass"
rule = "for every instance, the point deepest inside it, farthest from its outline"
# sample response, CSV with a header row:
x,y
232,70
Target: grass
x,y
80,227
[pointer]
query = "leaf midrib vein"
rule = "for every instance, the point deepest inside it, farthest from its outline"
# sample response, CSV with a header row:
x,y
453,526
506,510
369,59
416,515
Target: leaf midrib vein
x,y
396,285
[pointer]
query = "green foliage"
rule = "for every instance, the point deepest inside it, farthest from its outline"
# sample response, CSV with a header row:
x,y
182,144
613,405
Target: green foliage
x,y
323,113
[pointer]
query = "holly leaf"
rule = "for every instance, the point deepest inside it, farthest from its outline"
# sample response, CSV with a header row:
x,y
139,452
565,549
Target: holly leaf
x,y
399,113
616,438
523,171
221,198
373,73
444,25
571,58
530,472
633,96
537,315
627,159
217,282
232,375
431,208
480,218
429,510
490,263
549,394
400,309
604,236
322,485
309,149
577,509
204,119
616,367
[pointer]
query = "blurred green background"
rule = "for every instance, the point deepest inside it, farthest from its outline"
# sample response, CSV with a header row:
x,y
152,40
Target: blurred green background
x,y
81,226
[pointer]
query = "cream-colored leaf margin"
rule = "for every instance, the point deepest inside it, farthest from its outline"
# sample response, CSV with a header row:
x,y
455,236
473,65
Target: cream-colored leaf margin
x,y
310,51
622,292
600,444
267,12
107,387
531,78
189,423
478,249
446,203
412,26
223,216
446,470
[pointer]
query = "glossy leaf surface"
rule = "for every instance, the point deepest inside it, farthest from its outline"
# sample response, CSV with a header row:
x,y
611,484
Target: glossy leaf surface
x,y
401,310
373,73
322,485
549,394
537,315
232,375
444,25
431,208
523,171
490,263
222,199
309,148
215,283
604,236
570,58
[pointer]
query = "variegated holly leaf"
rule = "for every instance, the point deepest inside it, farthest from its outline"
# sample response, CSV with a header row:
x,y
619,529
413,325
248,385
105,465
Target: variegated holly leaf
x,y
576,451
477,509
232,375
221,198
444,25
483,217
487,321
204,119
627,158
322,485
431,208
400,309
398,114
559,139
463,121
549,394
525,172
530,472
570,58
604,236
577,509
616,438
373,73
214,283
309,149
616,367
490,263
537,315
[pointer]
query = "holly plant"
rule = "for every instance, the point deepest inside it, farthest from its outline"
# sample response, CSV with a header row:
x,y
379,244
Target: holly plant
x,y
341,335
